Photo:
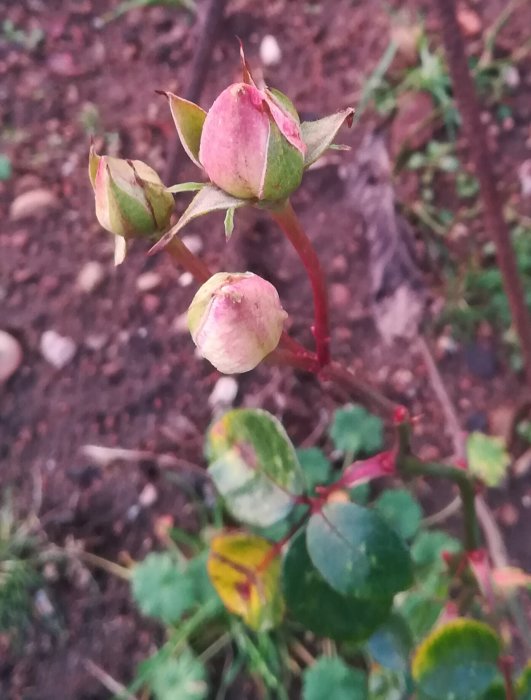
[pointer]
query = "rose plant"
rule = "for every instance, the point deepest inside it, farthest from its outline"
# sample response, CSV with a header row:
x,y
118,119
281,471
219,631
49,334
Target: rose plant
x,y
309,555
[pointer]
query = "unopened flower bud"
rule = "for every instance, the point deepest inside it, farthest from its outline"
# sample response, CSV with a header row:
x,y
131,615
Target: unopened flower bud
x,y
251,145
130,197
236,319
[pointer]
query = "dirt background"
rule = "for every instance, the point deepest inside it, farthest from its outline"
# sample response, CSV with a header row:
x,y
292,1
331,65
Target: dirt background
x,y
134,381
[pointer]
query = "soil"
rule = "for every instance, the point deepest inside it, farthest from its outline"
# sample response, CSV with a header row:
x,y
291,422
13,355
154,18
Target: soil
x,y
134,381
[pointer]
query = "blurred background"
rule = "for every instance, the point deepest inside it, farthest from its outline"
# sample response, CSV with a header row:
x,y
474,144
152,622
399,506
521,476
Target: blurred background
x,y
98,376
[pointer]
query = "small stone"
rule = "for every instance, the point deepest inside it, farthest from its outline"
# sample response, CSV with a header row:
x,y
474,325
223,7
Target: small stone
x,y
57,349
524,175
10,356
446,345
469,21
35,203
148,496
270,53
95,341
186,279
193,243
224,393
402,381
148,281
511,76
90,276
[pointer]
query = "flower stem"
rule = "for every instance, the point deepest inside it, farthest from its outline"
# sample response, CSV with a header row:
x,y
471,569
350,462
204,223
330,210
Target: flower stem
x,y
409,465
182,255
290,225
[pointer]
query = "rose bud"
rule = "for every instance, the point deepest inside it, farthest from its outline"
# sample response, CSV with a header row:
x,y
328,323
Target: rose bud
x,y
236,319
131,199
251,145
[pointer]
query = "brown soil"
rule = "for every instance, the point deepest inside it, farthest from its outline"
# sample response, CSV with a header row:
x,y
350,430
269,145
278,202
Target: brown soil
x,y
134,381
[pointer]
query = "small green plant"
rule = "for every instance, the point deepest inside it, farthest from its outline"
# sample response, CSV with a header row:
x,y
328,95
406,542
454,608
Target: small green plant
x,y
19,572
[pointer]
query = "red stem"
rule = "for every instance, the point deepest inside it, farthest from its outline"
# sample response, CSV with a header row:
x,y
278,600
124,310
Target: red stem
x,y
290,225
180,253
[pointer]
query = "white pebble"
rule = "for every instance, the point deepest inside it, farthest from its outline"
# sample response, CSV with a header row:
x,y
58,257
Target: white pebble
x,y
10,356
524,175
57,349
270,53
148,496
186,279
224,393
148,281
90,276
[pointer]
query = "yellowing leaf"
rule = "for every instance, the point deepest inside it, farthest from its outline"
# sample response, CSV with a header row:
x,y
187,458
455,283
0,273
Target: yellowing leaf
x,y
488,458
245,571
457,660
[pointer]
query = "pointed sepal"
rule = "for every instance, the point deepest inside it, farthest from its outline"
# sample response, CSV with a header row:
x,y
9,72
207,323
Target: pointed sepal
x,y
94,161
319,135
120,250
189,119
229,222
246,71
186,187
208,199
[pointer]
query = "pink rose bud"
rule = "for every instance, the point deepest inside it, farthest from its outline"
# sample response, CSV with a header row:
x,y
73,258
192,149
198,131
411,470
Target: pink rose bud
x,y
251,144
236,319
131,200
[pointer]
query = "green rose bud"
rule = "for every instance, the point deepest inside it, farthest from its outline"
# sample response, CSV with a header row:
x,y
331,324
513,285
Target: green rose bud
x,y
131,200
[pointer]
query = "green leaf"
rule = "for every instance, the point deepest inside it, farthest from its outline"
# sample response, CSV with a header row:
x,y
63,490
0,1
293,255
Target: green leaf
x,y
245,571
316,467
357,553
186,187
391,644
161,588
254,466
496,691
189,119
181,678
208,199
523,684
401,511
229,222
488,458
427,549
319,135
356,431
331,679
421,612
458,660
321,609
